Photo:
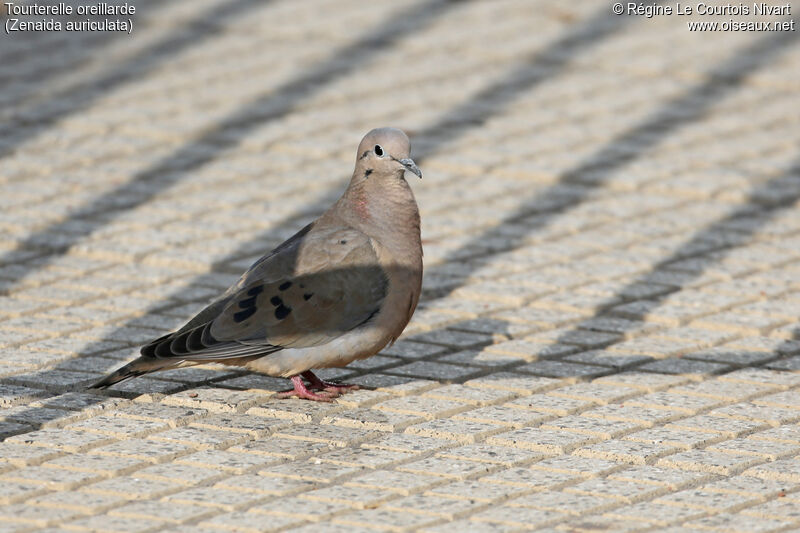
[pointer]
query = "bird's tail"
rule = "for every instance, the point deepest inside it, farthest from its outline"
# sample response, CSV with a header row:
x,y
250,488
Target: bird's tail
x,y
137,367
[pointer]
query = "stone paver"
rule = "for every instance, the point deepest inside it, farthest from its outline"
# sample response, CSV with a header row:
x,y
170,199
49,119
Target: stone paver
x,y
607,337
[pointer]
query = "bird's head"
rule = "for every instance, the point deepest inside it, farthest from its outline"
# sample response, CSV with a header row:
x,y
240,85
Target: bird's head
x,y
385,152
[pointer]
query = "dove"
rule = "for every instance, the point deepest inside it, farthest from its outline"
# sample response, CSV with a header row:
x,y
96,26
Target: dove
x,y
340,289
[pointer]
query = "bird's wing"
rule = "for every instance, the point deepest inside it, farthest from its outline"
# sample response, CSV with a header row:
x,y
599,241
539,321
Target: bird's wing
x,y
279,258
304,294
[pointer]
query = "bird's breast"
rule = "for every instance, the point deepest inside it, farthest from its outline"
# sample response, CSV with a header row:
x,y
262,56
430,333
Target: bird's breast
x,y
361,206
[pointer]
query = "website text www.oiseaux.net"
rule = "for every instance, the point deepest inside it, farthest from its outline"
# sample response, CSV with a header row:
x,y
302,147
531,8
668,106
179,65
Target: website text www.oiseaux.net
x,y
741,25
703,9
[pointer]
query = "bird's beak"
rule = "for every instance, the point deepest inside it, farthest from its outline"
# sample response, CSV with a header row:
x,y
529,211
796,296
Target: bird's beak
x,y
411,166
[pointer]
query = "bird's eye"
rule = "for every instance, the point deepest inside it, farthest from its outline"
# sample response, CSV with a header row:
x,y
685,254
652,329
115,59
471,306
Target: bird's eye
x,y
378,150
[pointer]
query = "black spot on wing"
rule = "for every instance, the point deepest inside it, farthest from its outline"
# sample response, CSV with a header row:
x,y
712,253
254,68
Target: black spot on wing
x,y
244,315
255,291
247,302
307,296
285,285
276,301
282,312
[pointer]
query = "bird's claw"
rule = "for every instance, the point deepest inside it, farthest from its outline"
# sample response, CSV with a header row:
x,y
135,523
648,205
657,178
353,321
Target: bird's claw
x,y
326,391
320,384
305,395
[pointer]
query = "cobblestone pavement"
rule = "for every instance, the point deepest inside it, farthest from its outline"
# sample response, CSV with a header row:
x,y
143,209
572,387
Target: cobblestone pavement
x,y
608,333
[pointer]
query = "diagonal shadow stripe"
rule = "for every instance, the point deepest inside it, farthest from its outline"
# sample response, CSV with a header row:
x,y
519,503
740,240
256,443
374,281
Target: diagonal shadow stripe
x,y
788,345
756,202
270,106
538,67
82,94
674,114
27,45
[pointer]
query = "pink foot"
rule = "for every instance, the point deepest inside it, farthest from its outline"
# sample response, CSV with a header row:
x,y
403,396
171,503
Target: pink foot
x,y
327,386
301,391
328,391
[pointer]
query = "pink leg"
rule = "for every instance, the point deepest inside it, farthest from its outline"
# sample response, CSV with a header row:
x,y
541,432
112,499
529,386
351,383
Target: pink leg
x,y
318,384
301,391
